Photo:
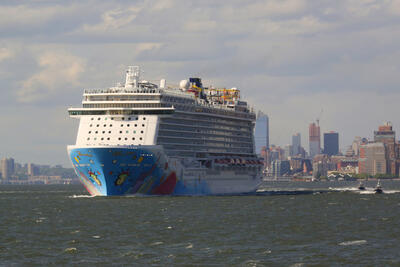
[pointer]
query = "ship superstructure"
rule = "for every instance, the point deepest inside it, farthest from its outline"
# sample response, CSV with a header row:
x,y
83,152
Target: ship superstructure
x,y
146,138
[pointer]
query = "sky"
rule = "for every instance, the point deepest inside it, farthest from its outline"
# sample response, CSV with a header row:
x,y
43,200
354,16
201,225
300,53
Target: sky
x,y
295,60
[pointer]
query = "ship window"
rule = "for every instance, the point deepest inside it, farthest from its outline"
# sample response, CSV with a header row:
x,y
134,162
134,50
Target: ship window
x,y
90,131
102,138
109,131
126,138
98,119
88,138
92,118
105,125
141,131
122,125
110,125
112,118
134,131
95,138
144,118
135,125
108,138
119,138
105,119
104,131
97,125
90,125
133,138
120,131
123,118
128,125
129,118
127,131
140,138
142,125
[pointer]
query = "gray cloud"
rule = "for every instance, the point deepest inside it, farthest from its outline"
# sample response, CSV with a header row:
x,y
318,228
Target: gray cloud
x,y
290,58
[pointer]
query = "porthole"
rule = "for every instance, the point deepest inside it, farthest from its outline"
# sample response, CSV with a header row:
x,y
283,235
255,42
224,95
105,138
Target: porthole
x,y
135,125
122,125
133,138
90,132
97,132
102,138
128,125
88,138
110,125
129,118
119,138
140,138
104,132
108,138
92,118
105,125
144,118
141,131
123,118
112,118
142,125
95,138
127,131
90,125
97,125
120,131
126,138
98,119
109,131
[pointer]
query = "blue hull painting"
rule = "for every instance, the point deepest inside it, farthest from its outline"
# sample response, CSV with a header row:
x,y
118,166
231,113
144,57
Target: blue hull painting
x,y
130,170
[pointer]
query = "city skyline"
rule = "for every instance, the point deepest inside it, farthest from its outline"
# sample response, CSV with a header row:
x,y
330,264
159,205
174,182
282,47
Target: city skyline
x,y
284,56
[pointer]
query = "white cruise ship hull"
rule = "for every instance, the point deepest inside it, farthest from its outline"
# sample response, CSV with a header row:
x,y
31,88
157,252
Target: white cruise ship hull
x,y
147,170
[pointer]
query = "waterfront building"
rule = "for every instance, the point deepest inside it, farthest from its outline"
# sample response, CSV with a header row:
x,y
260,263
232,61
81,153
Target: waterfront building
x,y
296,143
372,159
322,164
7,168
315,139
331,143
280,168
33,170
288,152
387,136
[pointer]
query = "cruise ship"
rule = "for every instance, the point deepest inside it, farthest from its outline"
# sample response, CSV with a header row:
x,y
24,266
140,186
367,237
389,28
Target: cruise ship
x,y
149,138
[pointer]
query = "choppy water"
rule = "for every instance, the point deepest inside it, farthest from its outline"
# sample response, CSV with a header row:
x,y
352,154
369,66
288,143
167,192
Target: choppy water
x,y
61,225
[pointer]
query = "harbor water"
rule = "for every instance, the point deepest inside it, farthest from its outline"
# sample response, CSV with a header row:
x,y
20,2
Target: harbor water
x,y
285,224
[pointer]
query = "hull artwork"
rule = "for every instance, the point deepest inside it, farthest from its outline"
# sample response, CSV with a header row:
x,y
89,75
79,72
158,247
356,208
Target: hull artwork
x,y
140,170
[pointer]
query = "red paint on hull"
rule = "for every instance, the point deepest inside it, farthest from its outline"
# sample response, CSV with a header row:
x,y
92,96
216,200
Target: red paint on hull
x,y
167,187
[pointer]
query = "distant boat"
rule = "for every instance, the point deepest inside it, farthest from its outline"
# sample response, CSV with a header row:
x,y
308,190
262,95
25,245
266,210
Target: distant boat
x,y
361,186
378,188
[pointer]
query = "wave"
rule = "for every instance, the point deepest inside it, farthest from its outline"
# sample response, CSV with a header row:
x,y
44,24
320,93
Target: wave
x,y
353,243
81,196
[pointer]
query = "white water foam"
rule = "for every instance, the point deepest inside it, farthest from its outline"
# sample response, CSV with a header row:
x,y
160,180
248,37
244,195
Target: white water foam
x,y
81,196
353,243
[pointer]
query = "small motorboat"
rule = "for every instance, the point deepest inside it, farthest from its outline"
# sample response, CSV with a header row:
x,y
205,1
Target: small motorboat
x,y
361,186
378,188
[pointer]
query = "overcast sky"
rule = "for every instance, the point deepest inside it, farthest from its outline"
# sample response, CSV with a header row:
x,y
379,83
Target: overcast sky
x,y
290,59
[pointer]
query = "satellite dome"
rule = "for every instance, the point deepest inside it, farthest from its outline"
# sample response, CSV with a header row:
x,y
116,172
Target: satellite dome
x,y
184,85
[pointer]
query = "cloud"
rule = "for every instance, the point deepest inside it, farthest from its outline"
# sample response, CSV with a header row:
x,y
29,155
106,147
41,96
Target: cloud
x,y
5,53
59,70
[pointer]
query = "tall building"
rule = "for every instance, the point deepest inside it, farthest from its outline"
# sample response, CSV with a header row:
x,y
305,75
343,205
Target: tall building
x,y
331,143
261,134
387,136
372,159
296,143
7,168
288,151
33,170
315,139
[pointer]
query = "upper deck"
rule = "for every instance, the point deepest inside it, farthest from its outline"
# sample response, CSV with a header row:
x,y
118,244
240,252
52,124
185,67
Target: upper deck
x,y
190,96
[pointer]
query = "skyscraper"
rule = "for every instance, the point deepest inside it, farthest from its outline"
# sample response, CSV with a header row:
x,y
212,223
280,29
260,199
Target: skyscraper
x,y
331,143
315,139
296,143
7,168
261,135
